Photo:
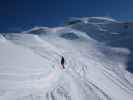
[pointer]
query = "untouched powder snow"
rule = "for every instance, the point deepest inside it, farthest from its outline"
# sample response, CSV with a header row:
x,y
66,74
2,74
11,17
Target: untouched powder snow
x,y
96,60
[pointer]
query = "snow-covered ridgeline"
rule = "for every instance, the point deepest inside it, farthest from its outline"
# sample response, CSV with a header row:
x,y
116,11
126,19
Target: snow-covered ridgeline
x,y
95,68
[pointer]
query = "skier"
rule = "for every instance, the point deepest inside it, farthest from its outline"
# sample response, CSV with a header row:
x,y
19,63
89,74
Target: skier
x,y
62,62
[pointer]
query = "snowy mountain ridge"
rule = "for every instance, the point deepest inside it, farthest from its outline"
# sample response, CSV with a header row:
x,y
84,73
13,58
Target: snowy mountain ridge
x,y
97,51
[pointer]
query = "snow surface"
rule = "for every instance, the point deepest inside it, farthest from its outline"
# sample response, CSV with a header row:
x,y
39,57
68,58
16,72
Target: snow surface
x,y
95,67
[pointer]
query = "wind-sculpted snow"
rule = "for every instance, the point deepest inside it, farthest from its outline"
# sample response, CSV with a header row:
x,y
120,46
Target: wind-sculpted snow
x,y
96,60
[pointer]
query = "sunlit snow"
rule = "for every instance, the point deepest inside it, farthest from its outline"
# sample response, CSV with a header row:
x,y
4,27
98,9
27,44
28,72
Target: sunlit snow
x,y
96,59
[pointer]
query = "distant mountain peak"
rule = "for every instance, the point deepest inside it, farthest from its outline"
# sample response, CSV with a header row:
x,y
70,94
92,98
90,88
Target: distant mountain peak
x,y
74,20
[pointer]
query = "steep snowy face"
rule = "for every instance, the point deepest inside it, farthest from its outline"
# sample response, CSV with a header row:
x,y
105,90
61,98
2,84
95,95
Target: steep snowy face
x,y
102,29
95,69
109,31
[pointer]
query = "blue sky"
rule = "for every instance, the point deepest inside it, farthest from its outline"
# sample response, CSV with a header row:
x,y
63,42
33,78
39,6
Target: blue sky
x,y
18,15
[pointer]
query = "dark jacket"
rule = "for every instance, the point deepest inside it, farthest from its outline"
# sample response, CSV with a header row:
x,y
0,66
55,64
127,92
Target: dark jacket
x,y
62,60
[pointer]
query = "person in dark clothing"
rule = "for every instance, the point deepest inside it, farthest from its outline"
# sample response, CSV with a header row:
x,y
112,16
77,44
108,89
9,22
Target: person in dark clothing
x,y
62,62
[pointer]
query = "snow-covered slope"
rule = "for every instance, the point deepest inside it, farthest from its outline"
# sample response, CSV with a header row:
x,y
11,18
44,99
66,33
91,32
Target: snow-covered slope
x,y
95,68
